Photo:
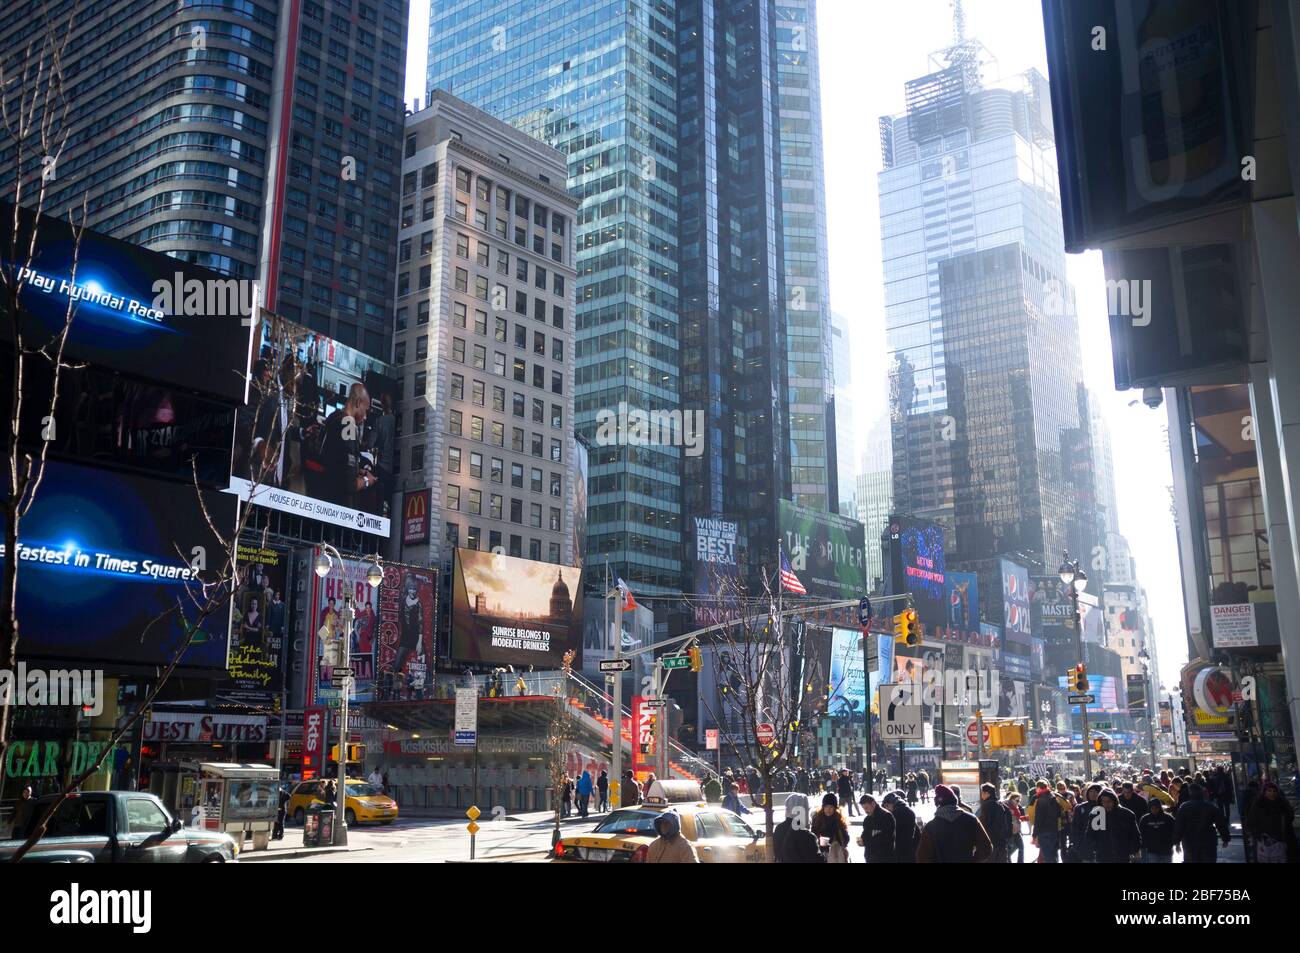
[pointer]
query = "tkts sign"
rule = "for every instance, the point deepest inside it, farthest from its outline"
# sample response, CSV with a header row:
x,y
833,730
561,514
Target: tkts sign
x,y
313,741
415,518
643,735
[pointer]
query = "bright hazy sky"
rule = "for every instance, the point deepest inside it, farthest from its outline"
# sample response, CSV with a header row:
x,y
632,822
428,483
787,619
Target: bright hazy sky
x,y
869,49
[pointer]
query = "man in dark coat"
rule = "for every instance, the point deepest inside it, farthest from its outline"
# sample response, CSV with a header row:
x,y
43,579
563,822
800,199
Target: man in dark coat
x,y
1195,822
793,841
844,789
1081,845
878,832
1045,814
996,818
905,837
1156,828
1115,837
1129,798
953,836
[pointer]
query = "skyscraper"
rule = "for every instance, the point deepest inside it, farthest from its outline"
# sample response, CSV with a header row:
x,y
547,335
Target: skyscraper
x,y
694,144
846,441
990,422
597,81
258,139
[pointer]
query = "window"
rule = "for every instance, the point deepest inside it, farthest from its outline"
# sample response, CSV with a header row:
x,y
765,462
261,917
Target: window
x,y
557,349
417,458
458,314
462,180
404,250
480,357
399,322
503,261
474,534
501,328
557,415
499,363
453,422
535,480
517,439
558,284
557,382
539,343
520,370
557,316
517,475
422,347
521,336
462,245
497,471
476,465
480,322
539,376
557,484
426,210
452,534
535,515
143,816
538,443
555,519
478,393
483,254
498,434
495,503
476,428
462,279
553,552
429,175
453,459
518,403
539,277
417,420
539,310
516,545
457,385
539,410
475,502
422,312
499,399
516,511
557,450
426,243
535,549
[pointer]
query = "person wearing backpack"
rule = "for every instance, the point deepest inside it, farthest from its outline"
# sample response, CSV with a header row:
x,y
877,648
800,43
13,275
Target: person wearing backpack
x,y
996,818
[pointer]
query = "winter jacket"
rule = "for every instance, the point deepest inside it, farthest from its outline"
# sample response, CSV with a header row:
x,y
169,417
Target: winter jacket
x,y
1045,814
878,832
996,819
1084,847
832,827
1275,819
1135,804
905,835
844,789
1119,839
673,848
1195,824
953,837
795,845
1157,832
585,784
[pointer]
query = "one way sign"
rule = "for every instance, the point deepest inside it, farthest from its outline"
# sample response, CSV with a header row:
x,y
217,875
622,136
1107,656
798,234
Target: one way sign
x,y
899,722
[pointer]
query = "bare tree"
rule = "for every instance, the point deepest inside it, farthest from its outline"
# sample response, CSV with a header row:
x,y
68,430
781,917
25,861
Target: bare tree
x,y
559,737
33,134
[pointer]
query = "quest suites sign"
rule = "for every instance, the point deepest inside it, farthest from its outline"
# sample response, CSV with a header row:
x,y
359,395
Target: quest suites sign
x,y
197,728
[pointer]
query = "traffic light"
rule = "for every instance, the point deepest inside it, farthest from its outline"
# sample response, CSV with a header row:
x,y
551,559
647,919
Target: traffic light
x,y
1078,678
1008,734
1100,744
696,657
906,629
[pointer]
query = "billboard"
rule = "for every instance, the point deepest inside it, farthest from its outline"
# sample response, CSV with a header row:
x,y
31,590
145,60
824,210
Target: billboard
x,y
415,517
511,611
346,580
134,310
716,557
103,554
404,653
962,598
581,465
827,551
258,616
848,686
1015,602
1102,689
316,407
1013,701
921,568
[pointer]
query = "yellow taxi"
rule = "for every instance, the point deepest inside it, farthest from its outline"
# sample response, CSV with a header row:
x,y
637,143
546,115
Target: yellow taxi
x,y
365,802
719,836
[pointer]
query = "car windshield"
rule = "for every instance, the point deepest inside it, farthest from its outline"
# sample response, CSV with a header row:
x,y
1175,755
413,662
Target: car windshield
x,y
363,790
629,822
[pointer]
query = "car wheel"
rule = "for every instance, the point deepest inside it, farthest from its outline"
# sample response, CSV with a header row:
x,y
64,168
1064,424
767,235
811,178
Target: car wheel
x,y
350,816
387,822
298,817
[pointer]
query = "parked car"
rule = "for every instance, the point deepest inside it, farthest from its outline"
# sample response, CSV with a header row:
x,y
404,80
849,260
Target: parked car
x,y
117,827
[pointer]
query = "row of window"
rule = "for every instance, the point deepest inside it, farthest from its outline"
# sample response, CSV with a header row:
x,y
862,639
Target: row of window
x,y
497,431
475,541
478,395
473,502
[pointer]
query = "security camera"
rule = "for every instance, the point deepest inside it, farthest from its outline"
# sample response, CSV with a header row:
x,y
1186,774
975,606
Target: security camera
x,y
1153,397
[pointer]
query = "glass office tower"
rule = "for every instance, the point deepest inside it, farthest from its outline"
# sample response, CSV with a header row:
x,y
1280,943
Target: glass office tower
x,y
597,81
694,141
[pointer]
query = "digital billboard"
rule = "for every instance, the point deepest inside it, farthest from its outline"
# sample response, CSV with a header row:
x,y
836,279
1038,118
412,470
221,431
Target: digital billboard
x,y
134,310
1102,689
826,551
404,644
715,556
315,438
1016,624
962,597
848,686
416,505
103,554
258,616
511,611
920,545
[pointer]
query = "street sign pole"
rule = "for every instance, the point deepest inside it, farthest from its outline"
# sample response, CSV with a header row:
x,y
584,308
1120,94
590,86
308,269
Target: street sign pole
x,y
340,808
616,735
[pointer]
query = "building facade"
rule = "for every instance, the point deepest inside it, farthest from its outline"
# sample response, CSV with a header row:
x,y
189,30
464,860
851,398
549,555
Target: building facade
x,y
484,339
254,138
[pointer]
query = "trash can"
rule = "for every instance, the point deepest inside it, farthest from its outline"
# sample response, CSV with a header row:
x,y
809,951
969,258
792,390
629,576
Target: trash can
x,y
318,825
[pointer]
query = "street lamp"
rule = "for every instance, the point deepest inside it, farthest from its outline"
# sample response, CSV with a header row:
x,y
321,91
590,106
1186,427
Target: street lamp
x,y
374,576
1074,578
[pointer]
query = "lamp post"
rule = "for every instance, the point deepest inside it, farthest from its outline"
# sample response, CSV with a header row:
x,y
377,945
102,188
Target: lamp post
x,y
374,576
1073,576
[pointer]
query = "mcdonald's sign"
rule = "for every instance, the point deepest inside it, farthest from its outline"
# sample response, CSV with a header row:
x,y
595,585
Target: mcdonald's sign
x,y
415,517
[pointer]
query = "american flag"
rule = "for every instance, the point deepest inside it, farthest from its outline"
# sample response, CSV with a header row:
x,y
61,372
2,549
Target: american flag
x,y
789,581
